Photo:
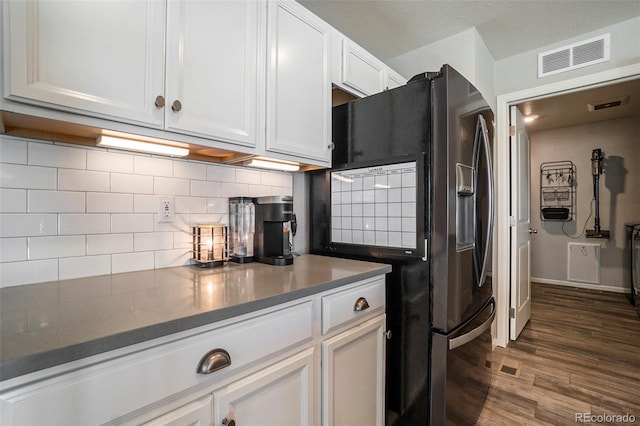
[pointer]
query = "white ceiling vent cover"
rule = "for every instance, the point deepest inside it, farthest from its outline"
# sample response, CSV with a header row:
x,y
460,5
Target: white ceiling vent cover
x,y
574,56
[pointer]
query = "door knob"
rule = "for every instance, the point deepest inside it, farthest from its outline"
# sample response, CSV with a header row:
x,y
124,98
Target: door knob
x,y
533,231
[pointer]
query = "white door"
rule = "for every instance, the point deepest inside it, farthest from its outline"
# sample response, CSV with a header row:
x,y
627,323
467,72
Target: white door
x,y
213,54
353,369
101,58
298,84
278,395
520,306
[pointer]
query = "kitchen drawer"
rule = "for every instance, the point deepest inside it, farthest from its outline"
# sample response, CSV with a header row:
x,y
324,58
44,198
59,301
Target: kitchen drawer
x,y
111,389
354,304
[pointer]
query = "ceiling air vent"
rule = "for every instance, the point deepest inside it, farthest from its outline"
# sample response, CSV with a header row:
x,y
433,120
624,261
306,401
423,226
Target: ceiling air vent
x,y
574,56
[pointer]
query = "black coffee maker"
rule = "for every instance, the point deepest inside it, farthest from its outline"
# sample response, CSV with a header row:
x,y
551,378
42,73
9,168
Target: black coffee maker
x,y
275,226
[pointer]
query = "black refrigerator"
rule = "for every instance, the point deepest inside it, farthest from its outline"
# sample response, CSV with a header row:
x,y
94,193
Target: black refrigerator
x,y
411,186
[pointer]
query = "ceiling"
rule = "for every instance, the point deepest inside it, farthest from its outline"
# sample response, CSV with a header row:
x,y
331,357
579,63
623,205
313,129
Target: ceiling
x,y
572,108
388,28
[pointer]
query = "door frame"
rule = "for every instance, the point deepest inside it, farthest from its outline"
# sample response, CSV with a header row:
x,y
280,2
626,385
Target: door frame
x,y
502,234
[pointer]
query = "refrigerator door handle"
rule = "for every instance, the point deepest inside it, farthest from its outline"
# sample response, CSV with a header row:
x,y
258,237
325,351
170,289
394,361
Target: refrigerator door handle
x,y
484,140
456,342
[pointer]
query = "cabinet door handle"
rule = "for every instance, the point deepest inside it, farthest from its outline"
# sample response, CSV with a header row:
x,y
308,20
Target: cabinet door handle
x,y
331,146
159,101
176,106
214,360
361,304
228,422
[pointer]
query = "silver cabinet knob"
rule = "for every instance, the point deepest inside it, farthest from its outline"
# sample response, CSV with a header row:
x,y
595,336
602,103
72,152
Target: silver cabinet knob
x,y
361,304
213,360
228,422
331,146
176,106
533,231
159,101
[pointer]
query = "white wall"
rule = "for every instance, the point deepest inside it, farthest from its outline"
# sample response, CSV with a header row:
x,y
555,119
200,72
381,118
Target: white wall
x,y
619,196
520,72
68,211
465,51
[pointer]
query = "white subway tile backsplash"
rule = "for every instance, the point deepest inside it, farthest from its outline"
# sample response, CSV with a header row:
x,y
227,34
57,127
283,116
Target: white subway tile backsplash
x,y
13,150
271,179
13,249
71,211
135,222
27,225
170,258
203,188
57,246
149,241
189,170
109,244
145,203
109,161
49,155
28,177
78,224
152,166
221,173
56,201
13,200
247,176
85,266
190,204
17,273
127,262
170,186
131,183
104,202
217,205
83,180
235,190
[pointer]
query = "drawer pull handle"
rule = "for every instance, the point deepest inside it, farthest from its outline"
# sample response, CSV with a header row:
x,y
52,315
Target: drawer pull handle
x,y
361,304
228,422
214,360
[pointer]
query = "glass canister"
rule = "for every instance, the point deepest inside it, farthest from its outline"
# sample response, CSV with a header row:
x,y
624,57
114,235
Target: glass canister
x,y
242,228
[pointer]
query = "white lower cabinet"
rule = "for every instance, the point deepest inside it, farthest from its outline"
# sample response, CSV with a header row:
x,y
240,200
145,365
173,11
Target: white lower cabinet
x,y
279,395
320,357
353,370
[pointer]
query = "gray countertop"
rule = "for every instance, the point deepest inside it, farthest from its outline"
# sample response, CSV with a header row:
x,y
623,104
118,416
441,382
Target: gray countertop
x,y
47,324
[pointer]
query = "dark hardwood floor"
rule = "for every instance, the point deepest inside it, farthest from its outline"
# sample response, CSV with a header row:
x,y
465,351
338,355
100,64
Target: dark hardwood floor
x,y
578,356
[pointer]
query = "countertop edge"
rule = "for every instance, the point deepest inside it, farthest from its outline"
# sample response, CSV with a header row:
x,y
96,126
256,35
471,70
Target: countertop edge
x,y
11,369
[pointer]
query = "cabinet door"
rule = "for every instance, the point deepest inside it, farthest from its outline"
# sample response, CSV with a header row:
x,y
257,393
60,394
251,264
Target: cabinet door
x,y
353,368
298,84
212,68
102,58
394,79
361,71
197,413
278,395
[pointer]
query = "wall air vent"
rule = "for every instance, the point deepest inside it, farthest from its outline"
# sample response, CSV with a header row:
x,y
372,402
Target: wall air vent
x,y
574,56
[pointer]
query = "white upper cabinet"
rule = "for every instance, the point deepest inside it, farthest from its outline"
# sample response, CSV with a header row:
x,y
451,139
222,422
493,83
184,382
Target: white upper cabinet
x,y
361,71
298,84
108,59
105,58
214,50
357,71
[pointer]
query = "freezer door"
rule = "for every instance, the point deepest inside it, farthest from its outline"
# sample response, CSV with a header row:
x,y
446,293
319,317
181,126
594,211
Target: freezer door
x,y
460,373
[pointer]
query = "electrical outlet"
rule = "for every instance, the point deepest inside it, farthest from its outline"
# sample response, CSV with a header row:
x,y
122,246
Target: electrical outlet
x,y
165,209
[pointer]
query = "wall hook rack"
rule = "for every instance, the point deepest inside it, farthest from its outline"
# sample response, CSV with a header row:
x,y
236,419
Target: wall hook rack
x,y
557,190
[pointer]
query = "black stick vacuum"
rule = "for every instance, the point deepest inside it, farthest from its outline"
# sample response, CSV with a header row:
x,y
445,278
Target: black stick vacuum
x,y
596,170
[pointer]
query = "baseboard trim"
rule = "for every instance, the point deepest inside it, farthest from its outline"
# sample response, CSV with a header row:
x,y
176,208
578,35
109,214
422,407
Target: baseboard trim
x,y
581,285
